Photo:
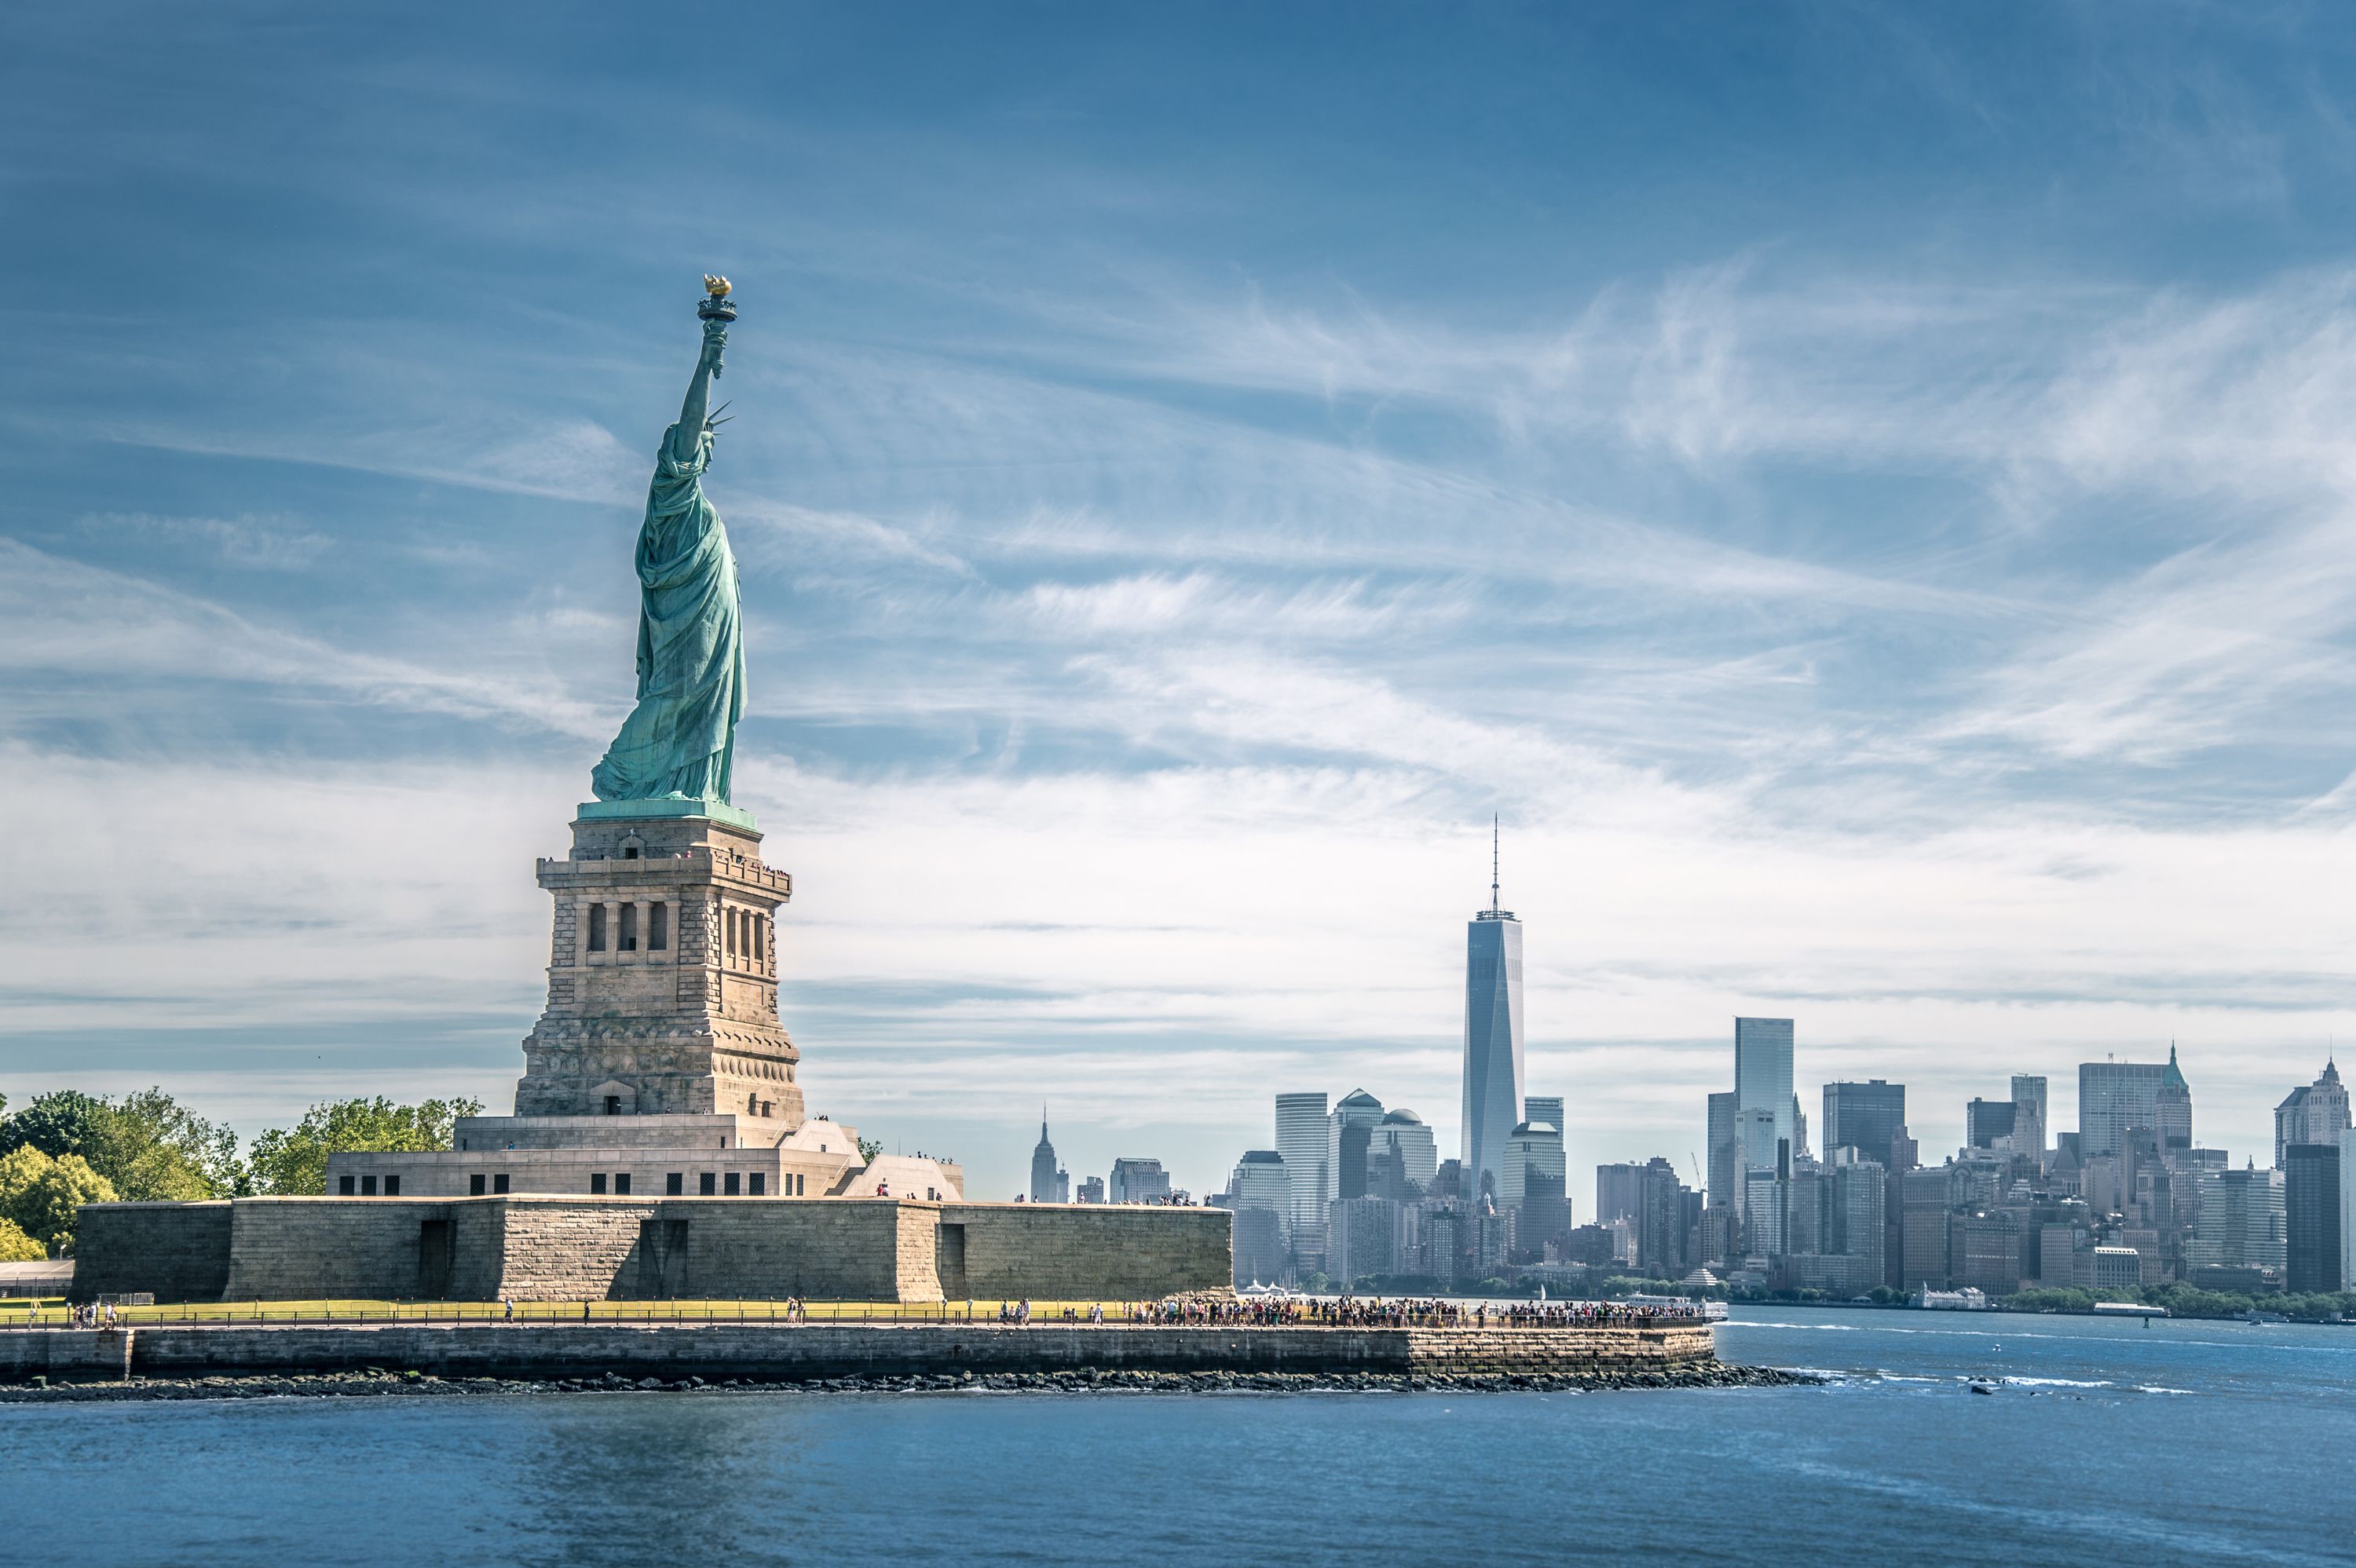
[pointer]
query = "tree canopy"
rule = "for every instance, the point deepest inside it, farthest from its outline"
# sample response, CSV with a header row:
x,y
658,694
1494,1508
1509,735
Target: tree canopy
x,y
149,1147
15,1247
292,1161
39,1195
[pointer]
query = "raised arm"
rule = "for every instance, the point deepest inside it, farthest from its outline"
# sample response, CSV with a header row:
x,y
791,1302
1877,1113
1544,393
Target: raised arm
x,y
699,390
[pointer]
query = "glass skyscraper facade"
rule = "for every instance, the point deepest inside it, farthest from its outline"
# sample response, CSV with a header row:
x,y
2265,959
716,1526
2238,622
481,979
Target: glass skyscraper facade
x,y
1725,1189
1349,1135
2114,1096
1492,1047
1762,1077
2311,1218
1302,1140
2029,1123
1868,1117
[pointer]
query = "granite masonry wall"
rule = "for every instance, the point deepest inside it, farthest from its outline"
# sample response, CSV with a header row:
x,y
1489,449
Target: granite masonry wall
x,y
824,1351
541,1248
179,1250
1076,1252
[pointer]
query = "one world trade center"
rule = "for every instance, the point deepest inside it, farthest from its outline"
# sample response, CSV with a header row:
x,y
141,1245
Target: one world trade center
x,y
1492,1041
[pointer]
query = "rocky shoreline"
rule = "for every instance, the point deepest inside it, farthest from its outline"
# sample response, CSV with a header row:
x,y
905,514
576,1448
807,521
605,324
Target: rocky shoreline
x,y
375,1383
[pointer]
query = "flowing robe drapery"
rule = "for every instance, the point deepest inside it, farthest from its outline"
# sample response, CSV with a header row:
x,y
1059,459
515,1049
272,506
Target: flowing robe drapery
x,y
679,741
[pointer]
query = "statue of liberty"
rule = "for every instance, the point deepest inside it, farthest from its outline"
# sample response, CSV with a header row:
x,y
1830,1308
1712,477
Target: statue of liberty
x,y
679,741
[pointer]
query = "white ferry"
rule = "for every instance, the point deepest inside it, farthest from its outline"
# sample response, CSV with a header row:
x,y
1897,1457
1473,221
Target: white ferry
x,y
1684,1305
1971,1298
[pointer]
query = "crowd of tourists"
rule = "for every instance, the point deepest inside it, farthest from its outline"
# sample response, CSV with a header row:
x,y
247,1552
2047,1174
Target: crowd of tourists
x,y
1374,1312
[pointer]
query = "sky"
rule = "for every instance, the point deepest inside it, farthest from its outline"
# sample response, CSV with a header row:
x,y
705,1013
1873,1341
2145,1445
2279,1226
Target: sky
x,y
1863,493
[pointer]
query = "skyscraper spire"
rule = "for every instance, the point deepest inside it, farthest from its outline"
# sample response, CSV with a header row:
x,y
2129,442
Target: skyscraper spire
x,y
1494,838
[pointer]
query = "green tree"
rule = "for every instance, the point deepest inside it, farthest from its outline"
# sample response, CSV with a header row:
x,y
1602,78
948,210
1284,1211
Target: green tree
x,y
63,1121
40,1195
868,1148
148,1145
15,1247
292,1161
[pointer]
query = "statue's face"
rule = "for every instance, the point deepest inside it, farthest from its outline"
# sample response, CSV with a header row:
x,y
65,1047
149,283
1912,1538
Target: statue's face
x,y
706,444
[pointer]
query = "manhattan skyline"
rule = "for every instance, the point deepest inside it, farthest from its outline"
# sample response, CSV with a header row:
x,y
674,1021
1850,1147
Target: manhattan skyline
x,y
1879,533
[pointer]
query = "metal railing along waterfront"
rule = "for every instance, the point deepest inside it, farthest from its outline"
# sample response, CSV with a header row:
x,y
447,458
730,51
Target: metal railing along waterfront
x,y
54,1313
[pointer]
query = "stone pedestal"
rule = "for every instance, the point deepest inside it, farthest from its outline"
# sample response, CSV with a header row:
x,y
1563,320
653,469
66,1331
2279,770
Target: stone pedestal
x,y
662,975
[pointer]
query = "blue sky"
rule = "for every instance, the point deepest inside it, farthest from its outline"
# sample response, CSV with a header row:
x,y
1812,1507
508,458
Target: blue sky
x,y
1864,494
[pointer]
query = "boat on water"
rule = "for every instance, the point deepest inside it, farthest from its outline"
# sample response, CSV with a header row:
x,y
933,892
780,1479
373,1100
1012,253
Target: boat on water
x,y
2255,1316
1971,1298
2127,1310
1683,1306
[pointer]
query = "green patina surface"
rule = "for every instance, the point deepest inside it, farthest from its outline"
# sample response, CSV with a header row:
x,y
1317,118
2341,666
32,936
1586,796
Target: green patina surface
x,y
679,742
668,807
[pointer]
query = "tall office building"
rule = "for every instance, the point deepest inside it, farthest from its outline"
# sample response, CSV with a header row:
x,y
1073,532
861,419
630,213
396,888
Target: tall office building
x,y
1535,1185
1362,1236
2316,1113
1762,1079
1349,1133
1049,1183
1413,1152
1868,1117
1262,1200
1300,1141
1984,1121
2114,1096
1661,1221
1925,1199
2348,1210
1756,1149
1619,1192
1725,1192
1763,1212
2311,1217
1493,1042
2241,1222
1547,1108
1135,1180
1258,1182
2030,1123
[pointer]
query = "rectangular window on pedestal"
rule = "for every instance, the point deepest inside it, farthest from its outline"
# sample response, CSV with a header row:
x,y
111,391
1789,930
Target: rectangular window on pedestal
x,y
499,1182
629,942
393,1187
474,1187
621,1184
344,1186
760,1184
658,926
673,1184
706,1183
597,1183
368,1186
596,928
733,1184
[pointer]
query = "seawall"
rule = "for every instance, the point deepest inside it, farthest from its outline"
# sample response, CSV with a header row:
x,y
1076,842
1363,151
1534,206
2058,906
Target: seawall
x,y
541,1247
804,1353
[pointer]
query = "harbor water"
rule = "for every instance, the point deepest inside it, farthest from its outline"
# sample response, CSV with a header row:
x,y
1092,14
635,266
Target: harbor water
x,y
1943,1437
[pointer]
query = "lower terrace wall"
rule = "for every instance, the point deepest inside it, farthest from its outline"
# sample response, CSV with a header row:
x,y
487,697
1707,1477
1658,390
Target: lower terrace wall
x,y
179,1250
1074,1251
539,1248
334,1249
823,1349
